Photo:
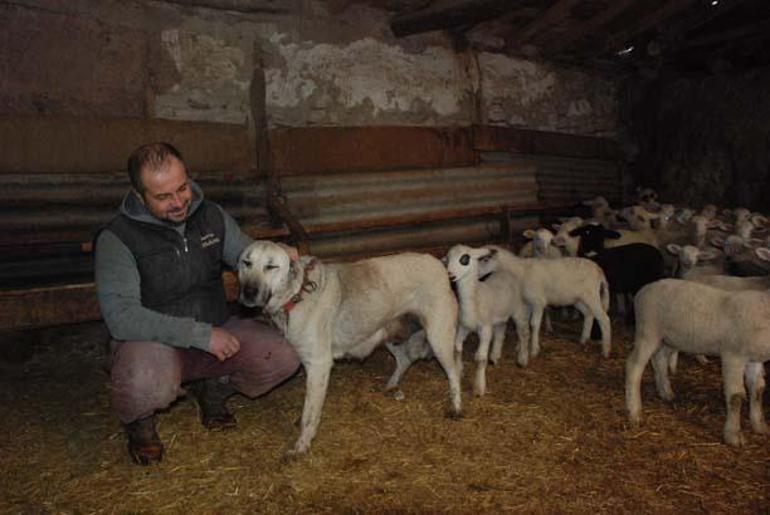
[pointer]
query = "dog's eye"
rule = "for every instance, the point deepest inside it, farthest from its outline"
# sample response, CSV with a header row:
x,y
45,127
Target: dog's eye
x,y
246,263
465,259
271,267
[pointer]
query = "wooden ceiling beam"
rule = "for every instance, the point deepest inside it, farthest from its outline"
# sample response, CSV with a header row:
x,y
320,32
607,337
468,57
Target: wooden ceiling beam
x,y
580,29
243,6
449,14
556,13
655,18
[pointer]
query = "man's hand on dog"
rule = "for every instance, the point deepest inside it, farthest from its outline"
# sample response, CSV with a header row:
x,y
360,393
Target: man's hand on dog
x,y
223,344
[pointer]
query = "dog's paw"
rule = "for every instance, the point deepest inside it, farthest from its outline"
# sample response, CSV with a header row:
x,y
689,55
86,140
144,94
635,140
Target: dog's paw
x,y
454,415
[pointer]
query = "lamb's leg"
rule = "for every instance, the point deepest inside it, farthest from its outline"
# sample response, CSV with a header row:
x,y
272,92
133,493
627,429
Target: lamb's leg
x,y
482,356
732,377
497,343
416,347
547,320
521,319
755,380
660,366
534,325
644,347
588,321
673,361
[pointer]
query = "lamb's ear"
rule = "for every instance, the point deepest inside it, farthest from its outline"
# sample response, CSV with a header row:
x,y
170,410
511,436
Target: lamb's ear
x,y
716,224
673,248
613,235
761,230
762,253
529,233
718,242
758,219
754,243
708,254
445,260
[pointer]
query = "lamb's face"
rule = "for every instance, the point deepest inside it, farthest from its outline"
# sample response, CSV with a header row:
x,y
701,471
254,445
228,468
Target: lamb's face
x,y
688,256
542,241
459,262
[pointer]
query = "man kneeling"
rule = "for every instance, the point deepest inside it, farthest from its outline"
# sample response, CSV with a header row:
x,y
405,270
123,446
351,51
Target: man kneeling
x,y
158,267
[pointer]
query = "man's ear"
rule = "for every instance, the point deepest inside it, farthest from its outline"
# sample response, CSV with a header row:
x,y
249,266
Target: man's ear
x,y
138,195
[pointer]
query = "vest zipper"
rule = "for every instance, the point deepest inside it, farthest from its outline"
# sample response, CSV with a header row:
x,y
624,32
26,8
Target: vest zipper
x,y
184,241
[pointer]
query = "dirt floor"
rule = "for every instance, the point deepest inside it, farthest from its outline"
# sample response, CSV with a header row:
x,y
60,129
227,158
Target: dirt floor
x,y
549,438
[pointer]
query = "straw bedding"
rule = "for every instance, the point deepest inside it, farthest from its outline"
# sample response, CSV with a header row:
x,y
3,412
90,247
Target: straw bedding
x,y
549,438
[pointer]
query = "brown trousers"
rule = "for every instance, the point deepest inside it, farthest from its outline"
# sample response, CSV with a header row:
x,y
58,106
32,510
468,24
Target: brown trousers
x,y
147,376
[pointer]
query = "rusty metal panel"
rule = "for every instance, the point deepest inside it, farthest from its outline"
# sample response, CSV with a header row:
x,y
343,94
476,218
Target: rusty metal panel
x,y
64,144
435,238
565,179
526,142
347,201
310,150
48,208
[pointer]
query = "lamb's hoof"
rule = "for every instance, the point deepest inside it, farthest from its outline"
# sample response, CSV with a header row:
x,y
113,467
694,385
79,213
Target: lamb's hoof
x,y
479,392
734,439
494,361
453,415
395,393
634,421
760,429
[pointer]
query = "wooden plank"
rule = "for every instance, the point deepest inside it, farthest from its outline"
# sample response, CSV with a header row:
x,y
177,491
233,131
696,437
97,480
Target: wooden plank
x,y
524,141
67,144
67,304
449,14
436,216
309,150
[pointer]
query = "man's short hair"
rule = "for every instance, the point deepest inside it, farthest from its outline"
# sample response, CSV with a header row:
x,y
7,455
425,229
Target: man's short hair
x,y
152,156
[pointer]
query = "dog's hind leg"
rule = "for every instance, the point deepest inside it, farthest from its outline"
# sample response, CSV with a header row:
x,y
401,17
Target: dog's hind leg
x,y
317,370
441,338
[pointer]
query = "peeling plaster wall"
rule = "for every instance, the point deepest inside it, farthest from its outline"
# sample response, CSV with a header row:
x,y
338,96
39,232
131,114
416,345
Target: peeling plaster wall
x,y
153,59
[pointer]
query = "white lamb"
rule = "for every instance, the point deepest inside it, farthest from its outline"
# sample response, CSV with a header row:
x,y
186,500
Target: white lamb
x,y
567,281
485,307
675,315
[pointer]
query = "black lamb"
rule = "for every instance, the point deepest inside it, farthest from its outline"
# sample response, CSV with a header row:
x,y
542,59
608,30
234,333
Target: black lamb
x,y
627,267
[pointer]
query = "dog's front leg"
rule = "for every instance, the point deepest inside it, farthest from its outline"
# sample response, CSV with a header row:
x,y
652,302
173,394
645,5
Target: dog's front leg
x,y
317,382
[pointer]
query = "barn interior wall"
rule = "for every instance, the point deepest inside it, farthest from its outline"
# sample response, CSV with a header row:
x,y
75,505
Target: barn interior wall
x,y
157,60
701,139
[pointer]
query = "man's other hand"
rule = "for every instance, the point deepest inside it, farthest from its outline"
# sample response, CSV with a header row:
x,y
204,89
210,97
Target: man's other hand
x,y
223,344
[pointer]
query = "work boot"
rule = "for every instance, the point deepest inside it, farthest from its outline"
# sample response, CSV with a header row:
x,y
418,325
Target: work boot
x,y
211,395
144,445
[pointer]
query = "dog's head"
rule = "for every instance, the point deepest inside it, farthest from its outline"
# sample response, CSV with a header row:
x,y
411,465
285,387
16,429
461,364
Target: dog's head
x,y
265,273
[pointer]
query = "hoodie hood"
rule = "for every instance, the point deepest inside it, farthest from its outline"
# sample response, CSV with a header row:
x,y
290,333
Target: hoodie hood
x,y
134,209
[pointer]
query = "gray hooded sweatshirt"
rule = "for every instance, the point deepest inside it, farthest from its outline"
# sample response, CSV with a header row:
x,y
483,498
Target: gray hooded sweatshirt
x,y
118,286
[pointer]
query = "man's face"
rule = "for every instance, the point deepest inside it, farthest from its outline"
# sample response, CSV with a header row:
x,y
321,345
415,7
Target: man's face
x,y
167,194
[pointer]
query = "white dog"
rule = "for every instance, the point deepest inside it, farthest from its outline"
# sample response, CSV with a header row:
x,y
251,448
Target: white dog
x,y
330,311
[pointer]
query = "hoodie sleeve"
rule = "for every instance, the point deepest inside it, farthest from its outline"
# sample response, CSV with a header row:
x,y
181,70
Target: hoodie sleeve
x,y
119,295
235,240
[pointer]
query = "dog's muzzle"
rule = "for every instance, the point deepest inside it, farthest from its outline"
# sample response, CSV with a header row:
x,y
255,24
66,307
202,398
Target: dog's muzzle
x,y
253,297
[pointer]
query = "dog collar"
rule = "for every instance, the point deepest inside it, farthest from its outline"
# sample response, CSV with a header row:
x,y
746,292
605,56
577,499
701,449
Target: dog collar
x,y
308,286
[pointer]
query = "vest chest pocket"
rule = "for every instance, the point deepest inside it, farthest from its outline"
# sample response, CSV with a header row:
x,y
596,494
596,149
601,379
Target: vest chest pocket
x,y
162,273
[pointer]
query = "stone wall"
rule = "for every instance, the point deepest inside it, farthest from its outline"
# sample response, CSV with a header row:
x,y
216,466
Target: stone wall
x,y
163,60
701,139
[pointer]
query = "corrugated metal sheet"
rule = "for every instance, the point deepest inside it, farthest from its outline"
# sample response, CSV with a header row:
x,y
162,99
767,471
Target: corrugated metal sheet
x,y
354,214
47,221
570,179
345,200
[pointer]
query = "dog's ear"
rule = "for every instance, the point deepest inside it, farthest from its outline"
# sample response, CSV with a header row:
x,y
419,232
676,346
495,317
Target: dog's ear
x,y
291,251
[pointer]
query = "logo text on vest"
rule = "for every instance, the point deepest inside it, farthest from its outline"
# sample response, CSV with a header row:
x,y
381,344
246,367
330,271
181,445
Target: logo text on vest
x,y
209,239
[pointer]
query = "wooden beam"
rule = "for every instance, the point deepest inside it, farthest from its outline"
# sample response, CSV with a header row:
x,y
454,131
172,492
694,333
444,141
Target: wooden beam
x,y
556,13
449,14
243,6
580,29
655,18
